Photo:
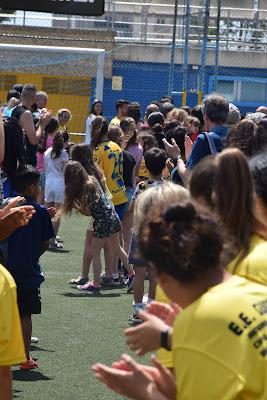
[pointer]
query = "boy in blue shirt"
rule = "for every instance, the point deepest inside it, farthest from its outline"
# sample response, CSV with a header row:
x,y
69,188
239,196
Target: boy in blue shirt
x,y
25,246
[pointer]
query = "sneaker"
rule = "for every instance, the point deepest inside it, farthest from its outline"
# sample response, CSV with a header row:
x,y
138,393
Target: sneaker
x,y
28,365
89,288
134,320
108,282
78,281
130,284
34,339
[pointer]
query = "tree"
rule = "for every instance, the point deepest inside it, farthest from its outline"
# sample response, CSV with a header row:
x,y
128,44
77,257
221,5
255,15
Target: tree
x,y
5,11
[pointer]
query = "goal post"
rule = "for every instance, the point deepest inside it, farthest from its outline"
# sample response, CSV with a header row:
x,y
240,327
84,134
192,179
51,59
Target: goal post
x,y
82,51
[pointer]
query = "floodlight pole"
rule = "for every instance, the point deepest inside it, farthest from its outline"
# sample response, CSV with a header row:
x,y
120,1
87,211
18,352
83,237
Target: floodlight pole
x,y
217,53
171,71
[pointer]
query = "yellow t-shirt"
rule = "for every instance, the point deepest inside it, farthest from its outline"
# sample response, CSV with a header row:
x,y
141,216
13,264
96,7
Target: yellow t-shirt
x,y
109,157
11,342
164,356
254,265
143,171
115,121
220,344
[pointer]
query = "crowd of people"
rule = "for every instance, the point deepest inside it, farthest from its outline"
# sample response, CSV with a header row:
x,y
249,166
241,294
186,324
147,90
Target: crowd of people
x,y
178,196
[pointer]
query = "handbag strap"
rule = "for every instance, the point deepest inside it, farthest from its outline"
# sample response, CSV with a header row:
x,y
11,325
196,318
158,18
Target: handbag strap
x,y
212,146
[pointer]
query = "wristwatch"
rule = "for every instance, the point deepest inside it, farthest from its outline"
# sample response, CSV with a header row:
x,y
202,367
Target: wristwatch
x,y
164,339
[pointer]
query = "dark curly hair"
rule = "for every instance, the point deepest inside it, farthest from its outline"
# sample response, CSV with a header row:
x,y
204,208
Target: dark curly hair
x,y
183,240
244,137
258,167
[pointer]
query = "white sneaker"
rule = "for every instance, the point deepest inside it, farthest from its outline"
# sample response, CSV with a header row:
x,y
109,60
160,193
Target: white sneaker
x,y
34,339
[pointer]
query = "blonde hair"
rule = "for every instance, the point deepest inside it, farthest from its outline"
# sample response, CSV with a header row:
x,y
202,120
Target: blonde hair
x,y
164,194
13,102
64,110
179,115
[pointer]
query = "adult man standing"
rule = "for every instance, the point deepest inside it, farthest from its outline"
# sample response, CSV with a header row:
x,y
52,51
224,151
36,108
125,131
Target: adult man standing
x,y
25,118
122,112
41,100
215,112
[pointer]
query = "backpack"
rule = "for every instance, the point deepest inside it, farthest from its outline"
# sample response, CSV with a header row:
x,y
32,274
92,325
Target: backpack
x,y
14,146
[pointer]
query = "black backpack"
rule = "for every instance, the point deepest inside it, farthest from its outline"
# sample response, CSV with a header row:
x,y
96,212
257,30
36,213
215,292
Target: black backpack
x,y
14,146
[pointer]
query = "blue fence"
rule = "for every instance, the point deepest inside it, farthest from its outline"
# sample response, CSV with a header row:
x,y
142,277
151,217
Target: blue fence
x,y
145,82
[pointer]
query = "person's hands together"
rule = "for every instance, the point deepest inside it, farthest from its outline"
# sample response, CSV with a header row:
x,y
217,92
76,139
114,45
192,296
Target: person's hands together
x,y
127,378
166,312
46,117
146,336
172,149
12,218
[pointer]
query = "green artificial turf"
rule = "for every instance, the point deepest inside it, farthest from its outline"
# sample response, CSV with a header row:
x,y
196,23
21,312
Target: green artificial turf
x,y
74,330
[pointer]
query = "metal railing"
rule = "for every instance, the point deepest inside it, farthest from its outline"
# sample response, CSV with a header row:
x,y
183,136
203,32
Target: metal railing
x,y
152,23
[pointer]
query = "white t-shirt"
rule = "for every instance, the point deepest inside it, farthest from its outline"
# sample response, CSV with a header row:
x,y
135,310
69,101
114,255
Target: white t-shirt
x,y
54,167
88,128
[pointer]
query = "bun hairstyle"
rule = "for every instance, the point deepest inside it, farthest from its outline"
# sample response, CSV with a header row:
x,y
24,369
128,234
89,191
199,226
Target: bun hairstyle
x,y
183,241
156,122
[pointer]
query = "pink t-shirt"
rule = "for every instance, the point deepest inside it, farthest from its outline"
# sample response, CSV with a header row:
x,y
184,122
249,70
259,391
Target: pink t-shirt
x,y
40,156
136,151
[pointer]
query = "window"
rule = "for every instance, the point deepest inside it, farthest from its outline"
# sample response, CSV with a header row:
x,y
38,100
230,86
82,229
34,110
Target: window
x,y
226,89
242,91
253,92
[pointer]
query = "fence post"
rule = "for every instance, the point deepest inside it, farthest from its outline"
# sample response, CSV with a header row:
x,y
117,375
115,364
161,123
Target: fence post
x,y
170,86
204,47
186,49
217,54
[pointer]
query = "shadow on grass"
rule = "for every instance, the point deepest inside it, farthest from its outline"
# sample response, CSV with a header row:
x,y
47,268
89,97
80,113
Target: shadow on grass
x,y
29,376
58,251
37,348
82,294
16,393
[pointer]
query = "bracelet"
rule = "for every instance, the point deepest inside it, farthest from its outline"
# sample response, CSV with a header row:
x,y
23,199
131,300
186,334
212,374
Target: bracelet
x,y
164,339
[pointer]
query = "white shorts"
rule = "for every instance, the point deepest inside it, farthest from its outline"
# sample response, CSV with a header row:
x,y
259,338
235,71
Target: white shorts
x,y
54,194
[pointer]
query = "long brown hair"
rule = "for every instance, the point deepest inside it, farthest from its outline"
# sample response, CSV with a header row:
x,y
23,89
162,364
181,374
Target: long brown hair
x,y
99,130
81,190
128,127
234,199
58,145
83,154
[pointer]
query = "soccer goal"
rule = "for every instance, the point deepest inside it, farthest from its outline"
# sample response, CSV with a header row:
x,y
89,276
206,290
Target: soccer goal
x,y
70,76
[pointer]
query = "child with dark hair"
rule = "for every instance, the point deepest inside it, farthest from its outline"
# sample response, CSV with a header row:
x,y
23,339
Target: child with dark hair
x,y
82,153
147,141
83,193
156,122
45,142
109,157
156,160
56,158
25,246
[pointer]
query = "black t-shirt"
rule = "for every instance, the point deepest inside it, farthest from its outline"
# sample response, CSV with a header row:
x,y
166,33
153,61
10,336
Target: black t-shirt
x,y
31,150
128,167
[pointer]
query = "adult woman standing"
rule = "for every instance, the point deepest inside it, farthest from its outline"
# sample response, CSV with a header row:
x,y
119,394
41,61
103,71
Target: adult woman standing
x,y
96,110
